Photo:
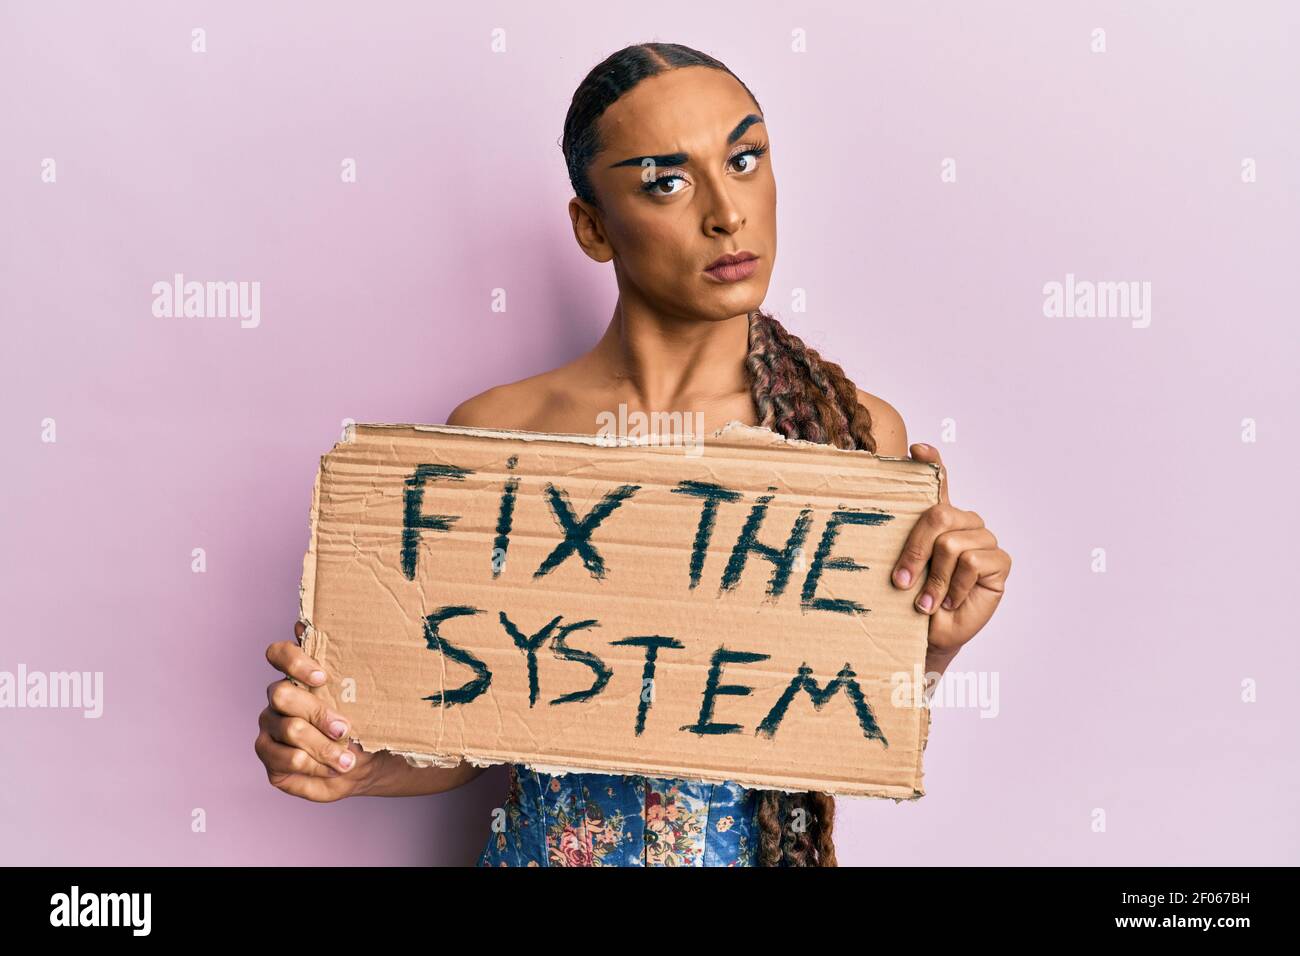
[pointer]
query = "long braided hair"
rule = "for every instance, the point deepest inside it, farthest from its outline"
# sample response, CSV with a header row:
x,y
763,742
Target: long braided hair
x,y
800,395
796,393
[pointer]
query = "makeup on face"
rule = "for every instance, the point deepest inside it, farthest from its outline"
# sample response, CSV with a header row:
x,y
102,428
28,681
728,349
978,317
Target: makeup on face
x,y
654,182
732,267
681,159
670,169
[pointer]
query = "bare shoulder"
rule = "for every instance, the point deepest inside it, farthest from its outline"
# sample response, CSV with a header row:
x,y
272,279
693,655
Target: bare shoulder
x,y
887,426
502,406
488,409
518,405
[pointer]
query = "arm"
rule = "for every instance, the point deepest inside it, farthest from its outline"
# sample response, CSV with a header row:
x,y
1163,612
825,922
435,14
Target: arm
x,y
967,569
300,743
391,775
299,740
890,433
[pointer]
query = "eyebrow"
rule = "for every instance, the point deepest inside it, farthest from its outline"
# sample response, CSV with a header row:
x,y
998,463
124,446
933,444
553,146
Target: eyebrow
x,y
681,159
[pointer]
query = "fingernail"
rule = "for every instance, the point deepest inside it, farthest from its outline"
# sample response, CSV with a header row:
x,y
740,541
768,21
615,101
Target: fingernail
x,y
317,677
347,760
337,728
947,603
925,602
903,577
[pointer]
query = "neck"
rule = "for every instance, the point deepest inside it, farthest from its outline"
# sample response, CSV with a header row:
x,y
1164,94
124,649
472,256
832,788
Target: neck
x,y
668,363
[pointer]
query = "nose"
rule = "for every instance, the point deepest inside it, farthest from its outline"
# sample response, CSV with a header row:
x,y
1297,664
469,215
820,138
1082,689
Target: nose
x,y
724,215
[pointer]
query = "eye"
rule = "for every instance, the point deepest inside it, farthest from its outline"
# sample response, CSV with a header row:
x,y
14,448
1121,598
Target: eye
x,y
749,156
652,186
752,154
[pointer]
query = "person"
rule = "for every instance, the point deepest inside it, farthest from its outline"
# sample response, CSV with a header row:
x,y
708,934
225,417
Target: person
x,y
670,161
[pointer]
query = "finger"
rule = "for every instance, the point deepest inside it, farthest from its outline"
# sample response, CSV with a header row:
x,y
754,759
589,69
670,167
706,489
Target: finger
x,y
300,733
289,699
291,660
975,567
934,521
930,454
316,789
283,759
949,552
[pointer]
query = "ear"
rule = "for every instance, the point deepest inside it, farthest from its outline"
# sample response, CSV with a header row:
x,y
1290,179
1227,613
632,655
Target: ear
x,y
589,230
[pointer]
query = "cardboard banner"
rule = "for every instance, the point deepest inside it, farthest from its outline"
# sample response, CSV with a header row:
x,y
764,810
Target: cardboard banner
x,y
580,603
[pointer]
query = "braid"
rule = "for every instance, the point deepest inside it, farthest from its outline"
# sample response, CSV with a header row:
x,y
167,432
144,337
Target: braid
x,y
799,394
823,811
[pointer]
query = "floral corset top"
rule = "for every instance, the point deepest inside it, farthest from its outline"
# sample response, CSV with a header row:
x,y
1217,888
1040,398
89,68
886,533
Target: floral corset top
x,y
591,819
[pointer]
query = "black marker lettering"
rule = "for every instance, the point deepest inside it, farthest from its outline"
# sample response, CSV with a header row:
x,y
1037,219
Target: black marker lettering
x,y
577,534
566,653
782,560
651,643
501,544
529,646
436,642
822,561
712,494
713,688
413,522
804,681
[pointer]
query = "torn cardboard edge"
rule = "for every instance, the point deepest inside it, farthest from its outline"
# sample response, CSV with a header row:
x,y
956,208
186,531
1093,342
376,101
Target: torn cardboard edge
x,y
752,435
748,434
422,760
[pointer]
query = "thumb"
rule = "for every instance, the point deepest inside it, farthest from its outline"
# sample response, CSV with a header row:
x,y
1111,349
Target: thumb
x,y
930,455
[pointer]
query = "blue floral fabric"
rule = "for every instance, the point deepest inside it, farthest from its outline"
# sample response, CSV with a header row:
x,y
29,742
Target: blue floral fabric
x,y
591,819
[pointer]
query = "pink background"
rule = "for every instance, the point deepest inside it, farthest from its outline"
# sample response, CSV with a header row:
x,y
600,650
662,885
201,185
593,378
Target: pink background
x,y
1119,691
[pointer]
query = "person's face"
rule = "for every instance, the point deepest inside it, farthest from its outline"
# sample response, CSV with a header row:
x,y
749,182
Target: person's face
x,y
708,190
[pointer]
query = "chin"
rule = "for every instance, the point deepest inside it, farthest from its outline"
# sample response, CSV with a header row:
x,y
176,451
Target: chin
x,y
724,312
737,300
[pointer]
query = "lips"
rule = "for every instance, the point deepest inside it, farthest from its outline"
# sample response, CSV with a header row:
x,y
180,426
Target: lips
x,y
733,266
729,258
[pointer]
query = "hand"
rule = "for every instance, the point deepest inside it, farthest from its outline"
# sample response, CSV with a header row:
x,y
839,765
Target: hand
x,y
968,570
299,738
